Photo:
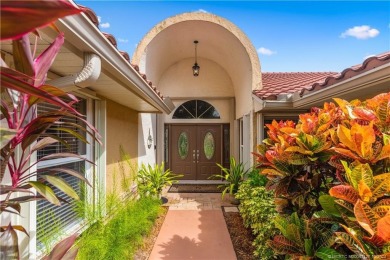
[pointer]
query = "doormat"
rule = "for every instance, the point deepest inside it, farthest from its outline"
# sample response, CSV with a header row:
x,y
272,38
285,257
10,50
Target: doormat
x,y
195,188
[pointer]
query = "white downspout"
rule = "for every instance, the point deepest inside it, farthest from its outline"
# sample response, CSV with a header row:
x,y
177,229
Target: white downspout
x,y
85,78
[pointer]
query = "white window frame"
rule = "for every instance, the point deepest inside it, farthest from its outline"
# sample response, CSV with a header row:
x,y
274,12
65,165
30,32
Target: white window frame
x,y
241,139
92,112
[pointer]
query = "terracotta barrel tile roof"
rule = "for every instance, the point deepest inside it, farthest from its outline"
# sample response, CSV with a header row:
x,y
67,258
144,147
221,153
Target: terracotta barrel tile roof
x,y
90,14
111,38
135,66
125,55
368,64
275,83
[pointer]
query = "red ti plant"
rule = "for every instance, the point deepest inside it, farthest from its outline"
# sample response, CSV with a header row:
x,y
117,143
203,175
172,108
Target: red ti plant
x,y
22,131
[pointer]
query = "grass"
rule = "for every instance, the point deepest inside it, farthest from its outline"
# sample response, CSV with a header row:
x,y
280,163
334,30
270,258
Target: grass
x,y
123,234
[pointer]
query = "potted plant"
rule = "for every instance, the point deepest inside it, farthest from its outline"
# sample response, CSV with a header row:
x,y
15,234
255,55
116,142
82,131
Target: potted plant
x,y
232,177
152,180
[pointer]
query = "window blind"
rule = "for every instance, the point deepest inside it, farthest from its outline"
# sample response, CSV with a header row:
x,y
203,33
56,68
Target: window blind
x,y
52,220
74,145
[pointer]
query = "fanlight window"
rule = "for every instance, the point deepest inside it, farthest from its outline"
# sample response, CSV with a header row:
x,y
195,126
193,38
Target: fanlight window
x,y
195,109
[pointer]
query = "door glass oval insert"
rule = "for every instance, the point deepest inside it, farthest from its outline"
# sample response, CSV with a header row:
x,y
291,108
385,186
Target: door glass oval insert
x,y
209,145
182,145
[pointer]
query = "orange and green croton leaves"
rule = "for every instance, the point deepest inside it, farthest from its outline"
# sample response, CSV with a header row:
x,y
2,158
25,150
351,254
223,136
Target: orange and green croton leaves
x,y
365,197
333,168
360,142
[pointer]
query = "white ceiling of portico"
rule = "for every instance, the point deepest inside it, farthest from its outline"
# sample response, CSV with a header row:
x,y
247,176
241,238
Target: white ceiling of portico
x,y
176,43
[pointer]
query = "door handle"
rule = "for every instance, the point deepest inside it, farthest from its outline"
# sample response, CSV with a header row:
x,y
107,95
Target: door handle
x,y
193,156
197,155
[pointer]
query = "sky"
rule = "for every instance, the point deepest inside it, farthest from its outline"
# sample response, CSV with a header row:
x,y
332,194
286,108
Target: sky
x,y
289,36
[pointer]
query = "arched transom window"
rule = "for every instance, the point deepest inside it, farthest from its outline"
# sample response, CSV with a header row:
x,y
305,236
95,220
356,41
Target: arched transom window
x,y
195,109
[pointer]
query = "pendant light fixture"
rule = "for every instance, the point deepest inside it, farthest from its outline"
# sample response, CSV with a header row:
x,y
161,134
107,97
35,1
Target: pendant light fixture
x,y
196,68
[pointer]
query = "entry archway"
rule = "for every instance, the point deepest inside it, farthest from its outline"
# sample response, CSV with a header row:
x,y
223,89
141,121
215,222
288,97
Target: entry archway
x,y
229,72
166,55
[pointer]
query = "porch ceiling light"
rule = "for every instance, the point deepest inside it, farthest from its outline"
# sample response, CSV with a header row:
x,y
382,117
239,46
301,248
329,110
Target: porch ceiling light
x,y
196,68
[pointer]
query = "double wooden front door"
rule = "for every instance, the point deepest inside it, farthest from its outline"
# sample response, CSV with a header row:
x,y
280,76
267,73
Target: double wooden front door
x,y
195,150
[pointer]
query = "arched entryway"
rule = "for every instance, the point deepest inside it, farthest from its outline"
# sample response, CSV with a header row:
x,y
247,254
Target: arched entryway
x,y
229,71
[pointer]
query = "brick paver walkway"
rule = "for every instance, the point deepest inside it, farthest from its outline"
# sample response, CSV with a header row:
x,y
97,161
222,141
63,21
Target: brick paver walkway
x,y
194,228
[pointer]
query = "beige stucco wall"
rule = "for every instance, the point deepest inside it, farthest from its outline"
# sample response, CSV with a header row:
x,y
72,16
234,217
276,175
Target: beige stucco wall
x,y
213,81
122,130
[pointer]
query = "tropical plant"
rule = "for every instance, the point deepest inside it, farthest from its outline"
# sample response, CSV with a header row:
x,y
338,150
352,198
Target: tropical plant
x,y
232,177
364,204
22,131
255,179
152,180
123,233
294,158
100,205
256,209
331,178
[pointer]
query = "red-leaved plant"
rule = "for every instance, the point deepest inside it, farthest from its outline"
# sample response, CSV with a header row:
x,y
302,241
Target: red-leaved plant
x,y
22,131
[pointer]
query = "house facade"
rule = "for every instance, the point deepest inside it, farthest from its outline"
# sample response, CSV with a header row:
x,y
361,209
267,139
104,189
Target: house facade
x,y
231,82
154,109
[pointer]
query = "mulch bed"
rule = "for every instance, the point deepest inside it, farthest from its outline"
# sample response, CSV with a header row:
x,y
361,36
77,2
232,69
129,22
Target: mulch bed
x,y
242,238
195,188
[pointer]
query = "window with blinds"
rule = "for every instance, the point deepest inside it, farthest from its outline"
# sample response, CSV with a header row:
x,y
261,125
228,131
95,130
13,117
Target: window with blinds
x,y
52,221
74,144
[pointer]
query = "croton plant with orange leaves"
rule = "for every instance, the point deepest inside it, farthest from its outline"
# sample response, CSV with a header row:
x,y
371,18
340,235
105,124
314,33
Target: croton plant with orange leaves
x,y
331,176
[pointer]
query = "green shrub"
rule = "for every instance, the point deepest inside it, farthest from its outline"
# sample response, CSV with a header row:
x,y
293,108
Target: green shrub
x,y
232,176
123,234
256,179
152,180
257,210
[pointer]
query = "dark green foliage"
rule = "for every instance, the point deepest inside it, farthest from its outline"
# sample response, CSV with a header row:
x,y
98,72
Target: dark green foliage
x,y
255,179
232,176
123,234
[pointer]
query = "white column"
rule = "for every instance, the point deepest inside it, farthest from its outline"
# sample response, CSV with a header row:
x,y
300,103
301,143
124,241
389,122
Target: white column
x,y
246,140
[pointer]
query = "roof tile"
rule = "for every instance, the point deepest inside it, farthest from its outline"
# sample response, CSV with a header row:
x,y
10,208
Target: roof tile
x,y
90,14
275,83
368,64
111,38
